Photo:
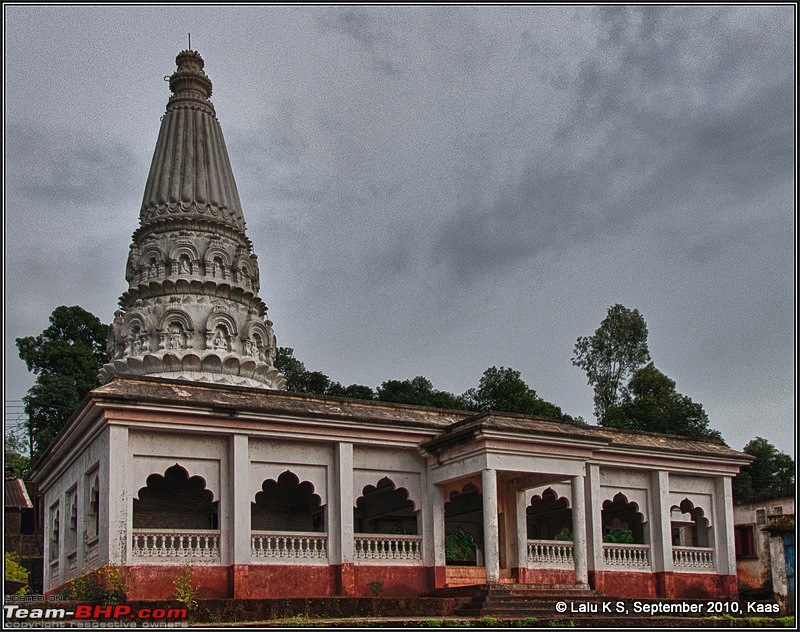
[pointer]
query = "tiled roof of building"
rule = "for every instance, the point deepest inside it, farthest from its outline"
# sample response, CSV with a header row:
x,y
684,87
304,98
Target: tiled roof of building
x,y
15,495
454,426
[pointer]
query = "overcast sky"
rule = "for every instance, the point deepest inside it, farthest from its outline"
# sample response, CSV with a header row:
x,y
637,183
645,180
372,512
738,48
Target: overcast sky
x,y
436,190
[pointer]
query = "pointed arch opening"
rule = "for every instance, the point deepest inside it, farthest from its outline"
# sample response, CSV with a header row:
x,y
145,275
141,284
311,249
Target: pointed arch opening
x,y
385,508
175,500
287,505
622,521
690,526
463,526
549,517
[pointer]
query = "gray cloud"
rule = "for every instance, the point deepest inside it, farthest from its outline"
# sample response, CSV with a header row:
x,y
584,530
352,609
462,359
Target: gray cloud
x,y
434,190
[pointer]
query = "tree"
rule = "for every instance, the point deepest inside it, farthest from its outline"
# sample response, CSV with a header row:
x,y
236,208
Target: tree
x,y
418,391
15,455
651,403
65,358
770,475
504,390
617,349
301,380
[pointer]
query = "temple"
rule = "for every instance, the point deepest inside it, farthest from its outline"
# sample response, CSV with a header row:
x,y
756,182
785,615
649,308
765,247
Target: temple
x,y
191,453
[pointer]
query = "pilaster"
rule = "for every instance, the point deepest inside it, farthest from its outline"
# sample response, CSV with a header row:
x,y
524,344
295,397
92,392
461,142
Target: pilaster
x,y
491,542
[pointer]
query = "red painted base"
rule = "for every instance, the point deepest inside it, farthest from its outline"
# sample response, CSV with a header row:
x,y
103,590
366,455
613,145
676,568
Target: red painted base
x,y
667,585
541,576
145,583
273,581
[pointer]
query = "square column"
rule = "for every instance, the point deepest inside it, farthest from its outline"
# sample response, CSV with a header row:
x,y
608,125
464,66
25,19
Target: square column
x,y
119,513
433,535
594,519
491,541
660,523
579,544
521,516
235,522
724,550
341,543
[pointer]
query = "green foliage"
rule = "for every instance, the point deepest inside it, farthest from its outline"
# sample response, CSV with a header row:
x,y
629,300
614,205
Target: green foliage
x,y
565,535
301,380
65,358
618,536
770,475
527,622
186,590
504,390
501,390
106,585
652,404
490,622
459,546
14,455
561,623
617,348
16,571
418,391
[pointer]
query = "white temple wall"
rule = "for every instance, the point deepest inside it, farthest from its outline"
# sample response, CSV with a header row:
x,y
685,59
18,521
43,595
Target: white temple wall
x,y
80,541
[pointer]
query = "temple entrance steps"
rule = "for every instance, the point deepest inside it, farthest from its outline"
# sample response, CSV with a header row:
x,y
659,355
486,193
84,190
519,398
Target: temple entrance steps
x,y
518,601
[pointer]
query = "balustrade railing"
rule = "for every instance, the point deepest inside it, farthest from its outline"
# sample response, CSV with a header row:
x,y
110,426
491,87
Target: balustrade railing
x,y
194,546
626,555
693,558
396,548
284,545
548,553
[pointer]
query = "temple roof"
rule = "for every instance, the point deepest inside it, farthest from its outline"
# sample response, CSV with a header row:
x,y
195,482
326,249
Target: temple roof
x,y
453,427
191,174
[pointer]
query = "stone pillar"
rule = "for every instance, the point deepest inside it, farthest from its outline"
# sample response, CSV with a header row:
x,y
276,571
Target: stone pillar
x,y
491,544
341,530
238,512
520,498
580,547
594,525
433,535
115,540
724,550
661,534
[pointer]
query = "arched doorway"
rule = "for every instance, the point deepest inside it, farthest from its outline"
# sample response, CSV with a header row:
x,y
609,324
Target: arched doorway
x,y
175,500
622,521
287,505
549,517
384,508
463,526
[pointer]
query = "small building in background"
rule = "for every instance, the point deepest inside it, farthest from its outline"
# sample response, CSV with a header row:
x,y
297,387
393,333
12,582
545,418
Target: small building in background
x,y
22,533
764,532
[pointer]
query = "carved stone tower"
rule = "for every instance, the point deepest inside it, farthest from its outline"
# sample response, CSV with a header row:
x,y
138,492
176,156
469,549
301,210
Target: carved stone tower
x,y
192,309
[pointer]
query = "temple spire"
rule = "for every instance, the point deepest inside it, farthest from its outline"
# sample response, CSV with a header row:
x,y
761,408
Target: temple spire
x,y
192,309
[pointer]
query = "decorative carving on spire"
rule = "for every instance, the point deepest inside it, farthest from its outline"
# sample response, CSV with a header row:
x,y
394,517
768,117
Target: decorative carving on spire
x,y
192,309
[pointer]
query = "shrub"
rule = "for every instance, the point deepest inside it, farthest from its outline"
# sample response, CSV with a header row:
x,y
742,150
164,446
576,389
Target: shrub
x,y
17,572
106,585
186,591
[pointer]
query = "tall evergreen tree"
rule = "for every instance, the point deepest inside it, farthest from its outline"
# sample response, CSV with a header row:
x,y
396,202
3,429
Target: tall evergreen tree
x,y
611,356
65,358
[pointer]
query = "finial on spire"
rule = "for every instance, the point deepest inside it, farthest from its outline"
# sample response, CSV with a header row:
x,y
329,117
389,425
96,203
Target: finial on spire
x,y
189,77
